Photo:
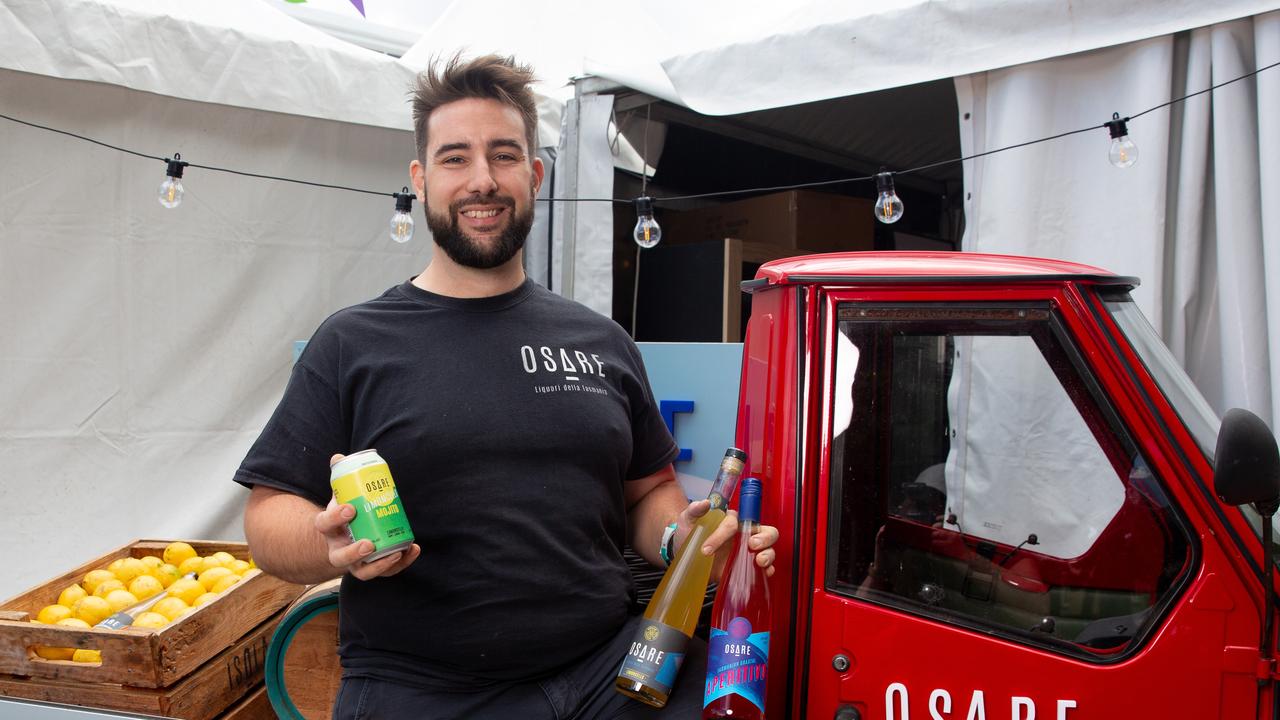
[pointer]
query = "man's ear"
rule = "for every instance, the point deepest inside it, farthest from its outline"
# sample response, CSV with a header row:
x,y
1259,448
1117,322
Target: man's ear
x,y
538,171
418,177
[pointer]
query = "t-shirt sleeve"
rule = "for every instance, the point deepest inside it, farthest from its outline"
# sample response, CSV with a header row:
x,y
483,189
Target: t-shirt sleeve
x,y
292,453
653,448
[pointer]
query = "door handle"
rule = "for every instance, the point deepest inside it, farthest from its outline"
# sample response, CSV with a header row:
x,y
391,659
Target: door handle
x,y
848,712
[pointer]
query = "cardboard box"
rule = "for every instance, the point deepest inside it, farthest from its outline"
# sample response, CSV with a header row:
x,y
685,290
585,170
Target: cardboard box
x,y
803,220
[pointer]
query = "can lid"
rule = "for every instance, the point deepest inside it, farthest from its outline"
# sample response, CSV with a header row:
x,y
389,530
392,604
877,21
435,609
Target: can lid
x,y
749,500
353,462
736,453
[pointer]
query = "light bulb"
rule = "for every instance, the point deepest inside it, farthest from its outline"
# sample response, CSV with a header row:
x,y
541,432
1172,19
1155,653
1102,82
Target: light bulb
x,y
1123,152
888,204
647,232
402,221
171,189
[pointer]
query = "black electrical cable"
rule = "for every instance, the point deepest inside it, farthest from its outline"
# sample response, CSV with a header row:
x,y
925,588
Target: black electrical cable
x,y
725,193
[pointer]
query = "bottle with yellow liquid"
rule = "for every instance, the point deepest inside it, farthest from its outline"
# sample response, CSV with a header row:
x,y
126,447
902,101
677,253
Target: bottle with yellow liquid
x,y
656,652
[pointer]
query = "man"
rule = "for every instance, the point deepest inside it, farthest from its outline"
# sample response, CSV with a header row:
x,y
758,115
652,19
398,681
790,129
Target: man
x,y
523,438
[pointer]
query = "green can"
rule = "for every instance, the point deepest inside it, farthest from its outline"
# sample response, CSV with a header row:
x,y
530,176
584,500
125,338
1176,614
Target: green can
x,y
363,479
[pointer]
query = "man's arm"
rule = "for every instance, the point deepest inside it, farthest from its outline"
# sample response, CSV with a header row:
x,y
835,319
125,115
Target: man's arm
x,y
656,501
296,540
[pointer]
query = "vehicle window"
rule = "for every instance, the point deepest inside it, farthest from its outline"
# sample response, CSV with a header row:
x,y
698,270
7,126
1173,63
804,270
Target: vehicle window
x,y
976,478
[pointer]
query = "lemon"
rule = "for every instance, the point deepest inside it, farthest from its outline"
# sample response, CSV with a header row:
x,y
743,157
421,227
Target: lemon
x,y
51,614
145,586
70,595
224,558
150,620
115,565
87,656
187,588
184,613
252,564
129,569
205,599
239,567
121,599
170,607
209,562
224,582
94,577
106,586
211,576
91,609
166,574
191,565
177,552
151,562
54,653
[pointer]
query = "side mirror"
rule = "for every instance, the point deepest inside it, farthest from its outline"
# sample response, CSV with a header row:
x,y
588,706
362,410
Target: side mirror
x,y
1247,463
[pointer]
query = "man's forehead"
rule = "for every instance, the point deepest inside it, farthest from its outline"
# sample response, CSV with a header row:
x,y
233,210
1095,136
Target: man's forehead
x,y
474,121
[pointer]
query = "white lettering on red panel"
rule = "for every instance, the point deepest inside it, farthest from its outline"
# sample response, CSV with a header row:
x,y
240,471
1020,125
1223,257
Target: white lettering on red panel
x,y
897,706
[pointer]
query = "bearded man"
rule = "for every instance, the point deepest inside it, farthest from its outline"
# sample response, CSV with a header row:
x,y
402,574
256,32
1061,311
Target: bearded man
x,y
523,437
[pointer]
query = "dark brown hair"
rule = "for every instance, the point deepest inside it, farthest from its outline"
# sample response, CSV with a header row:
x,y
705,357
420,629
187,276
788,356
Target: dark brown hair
x,y
491,77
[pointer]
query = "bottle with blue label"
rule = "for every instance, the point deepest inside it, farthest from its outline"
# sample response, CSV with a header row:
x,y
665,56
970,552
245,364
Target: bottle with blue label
x,y
738,650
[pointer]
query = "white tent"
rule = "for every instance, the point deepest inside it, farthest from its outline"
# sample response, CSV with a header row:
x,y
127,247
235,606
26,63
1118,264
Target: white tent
x,y
143,348
1195,218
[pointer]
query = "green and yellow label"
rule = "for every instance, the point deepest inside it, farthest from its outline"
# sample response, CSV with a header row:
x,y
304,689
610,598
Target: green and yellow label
x,y
379,515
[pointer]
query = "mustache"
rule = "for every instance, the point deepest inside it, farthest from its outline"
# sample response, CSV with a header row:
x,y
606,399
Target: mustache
x,y
459,205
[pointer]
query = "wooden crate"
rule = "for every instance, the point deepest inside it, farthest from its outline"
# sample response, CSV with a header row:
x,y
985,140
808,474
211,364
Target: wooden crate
x,y
213,687
175,659
254,706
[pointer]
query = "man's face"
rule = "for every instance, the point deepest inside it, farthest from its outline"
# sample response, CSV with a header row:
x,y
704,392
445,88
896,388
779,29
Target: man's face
x,y
477,181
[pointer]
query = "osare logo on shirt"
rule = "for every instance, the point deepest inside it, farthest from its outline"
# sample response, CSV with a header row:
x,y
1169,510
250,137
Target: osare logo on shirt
x,y
561,369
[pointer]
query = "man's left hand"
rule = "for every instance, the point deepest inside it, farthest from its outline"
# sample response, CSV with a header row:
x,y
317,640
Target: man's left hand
x,y
761,542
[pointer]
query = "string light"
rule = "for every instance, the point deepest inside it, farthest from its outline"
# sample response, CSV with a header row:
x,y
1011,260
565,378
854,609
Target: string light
x,y
888,204
171,189
402,221
647,233
1123,152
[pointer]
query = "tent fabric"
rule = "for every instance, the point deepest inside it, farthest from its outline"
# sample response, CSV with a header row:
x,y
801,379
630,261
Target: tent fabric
x,y
243,53
143,349
791,53
1195,218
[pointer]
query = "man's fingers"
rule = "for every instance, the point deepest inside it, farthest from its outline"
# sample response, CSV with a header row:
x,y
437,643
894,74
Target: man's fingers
x,y
333,460
695,510
725,530
765,558
386,566
406,559
348,555
332,519
764,537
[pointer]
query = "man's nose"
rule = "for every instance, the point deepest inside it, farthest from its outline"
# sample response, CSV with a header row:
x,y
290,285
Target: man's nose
x,y
481,181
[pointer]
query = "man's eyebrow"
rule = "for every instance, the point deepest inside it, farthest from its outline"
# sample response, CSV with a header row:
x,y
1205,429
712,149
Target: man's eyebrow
x,y
450,147
506,142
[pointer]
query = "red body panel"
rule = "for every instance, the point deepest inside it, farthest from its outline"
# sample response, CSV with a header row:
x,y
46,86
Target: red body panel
x,y
1201,662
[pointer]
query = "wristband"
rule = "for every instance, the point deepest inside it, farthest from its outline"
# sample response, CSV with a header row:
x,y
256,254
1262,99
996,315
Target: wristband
x,y
668,547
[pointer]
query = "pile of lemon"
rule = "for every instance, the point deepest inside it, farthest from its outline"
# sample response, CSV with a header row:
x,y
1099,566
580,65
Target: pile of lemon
x,y
186,579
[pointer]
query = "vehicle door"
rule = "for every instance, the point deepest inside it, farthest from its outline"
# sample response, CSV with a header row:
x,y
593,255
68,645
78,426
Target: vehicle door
x,y
994,539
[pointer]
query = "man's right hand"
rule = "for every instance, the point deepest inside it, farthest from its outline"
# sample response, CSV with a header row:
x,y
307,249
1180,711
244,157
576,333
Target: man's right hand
x,y
348,556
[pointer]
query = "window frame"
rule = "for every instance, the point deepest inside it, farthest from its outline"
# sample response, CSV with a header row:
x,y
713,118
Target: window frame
x,y
1046,327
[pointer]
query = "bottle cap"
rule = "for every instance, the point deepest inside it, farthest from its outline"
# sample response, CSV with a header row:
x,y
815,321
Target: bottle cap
x,y
749,500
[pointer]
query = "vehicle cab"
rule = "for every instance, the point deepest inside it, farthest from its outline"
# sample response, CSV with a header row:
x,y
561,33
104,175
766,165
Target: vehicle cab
x,y
994,488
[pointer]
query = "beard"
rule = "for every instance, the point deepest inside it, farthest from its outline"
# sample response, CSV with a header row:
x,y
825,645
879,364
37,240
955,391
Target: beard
x,y
465,249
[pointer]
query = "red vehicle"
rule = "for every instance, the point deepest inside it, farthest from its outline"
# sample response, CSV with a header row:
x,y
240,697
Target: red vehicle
x,y
996,496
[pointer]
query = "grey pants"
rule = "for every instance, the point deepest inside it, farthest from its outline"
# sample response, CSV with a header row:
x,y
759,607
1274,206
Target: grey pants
x,y
583,691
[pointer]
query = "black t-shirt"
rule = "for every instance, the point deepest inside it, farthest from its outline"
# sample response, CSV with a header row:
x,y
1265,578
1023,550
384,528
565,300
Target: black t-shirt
x,y
510,424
